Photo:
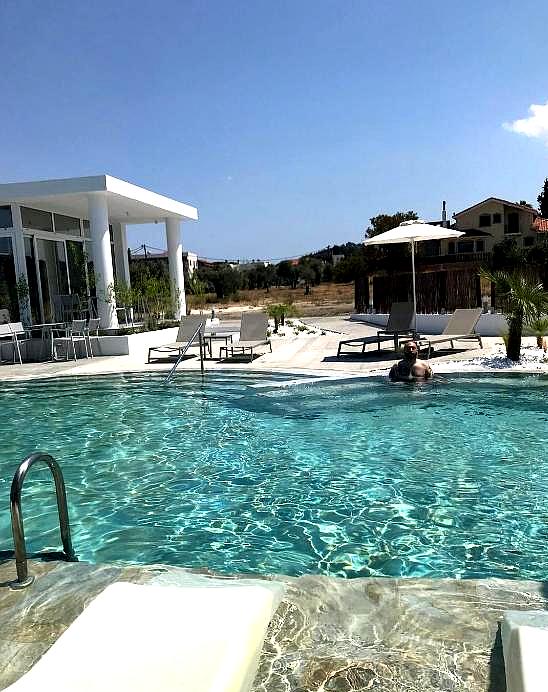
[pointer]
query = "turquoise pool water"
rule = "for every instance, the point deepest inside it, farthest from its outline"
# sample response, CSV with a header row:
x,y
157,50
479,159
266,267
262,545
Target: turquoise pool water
x,y
357,478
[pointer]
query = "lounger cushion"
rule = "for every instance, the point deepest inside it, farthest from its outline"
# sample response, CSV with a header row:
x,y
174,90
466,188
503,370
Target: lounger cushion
x,y
166,638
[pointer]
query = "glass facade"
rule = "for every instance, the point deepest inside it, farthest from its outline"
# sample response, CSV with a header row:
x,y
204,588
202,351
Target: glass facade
x,y
58,258
8,280
52,270
77,268
6,220
37,219
32,279
66,224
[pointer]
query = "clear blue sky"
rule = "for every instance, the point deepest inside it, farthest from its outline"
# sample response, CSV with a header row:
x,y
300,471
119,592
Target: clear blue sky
x,y
288,123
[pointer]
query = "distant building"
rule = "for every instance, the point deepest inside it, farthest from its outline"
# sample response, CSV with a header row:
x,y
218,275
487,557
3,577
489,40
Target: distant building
x,y
144,252
335,259
448,270
253,264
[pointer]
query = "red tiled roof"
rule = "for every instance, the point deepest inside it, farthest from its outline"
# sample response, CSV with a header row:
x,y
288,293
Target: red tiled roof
x,y
540,225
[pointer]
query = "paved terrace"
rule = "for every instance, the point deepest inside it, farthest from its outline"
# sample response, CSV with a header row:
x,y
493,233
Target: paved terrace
x,y
313,354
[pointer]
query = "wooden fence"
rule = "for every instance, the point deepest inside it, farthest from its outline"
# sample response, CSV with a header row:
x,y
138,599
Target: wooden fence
x,y
436,291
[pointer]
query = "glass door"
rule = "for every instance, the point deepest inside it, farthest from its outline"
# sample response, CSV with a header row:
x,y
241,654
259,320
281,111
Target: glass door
x,y
32,278
52,275
8,280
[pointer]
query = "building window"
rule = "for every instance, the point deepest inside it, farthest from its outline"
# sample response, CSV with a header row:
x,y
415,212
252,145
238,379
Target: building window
x,y
36,219
480,245
465,246
66,224
512,223
5,217
529,241
85,228
497,218
430,248
451,248
484,220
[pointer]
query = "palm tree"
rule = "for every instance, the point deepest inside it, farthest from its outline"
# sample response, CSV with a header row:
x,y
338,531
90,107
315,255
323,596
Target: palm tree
x,y
538,328
525,299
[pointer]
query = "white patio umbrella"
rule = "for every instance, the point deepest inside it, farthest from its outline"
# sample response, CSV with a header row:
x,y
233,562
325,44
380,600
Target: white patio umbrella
x,y
413,232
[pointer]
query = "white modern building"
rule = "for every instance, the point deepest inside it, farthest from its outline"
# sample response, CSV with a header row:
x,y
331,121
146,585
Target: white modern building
x,y
68,236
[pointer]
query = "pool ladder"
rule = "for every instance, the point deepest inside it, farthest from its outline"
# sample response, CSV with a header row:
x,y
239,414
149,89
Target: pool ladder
x,y
197,333
23,579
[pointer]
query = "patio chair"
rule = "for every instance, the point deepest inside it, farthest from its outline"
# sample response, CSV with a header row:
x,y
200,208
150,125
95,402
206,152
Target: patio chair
x,y
75,333
253,334
187,329
400,324
92,332
14,331
461,327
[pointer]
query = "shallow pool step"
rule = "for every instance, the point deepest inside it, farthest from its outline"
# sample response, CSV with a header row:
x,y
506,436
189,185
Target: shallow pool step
x,y
525,648
161,638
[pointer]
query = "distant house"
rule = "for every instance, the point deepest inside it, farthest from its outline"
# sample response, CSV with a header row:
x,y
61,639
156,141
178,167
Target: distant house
x,y
448,270
491,221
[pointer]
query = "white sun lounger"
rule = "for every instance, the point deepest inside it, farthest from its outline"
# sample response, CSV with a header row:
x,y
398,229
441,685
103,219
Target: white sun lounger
x,y
461,327
253,334
135,638
187,330
400,324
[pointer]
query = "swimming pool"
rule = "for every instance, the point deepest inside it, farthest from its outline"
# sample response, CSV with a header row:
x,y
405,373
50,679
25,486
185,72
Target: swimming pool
x,y
355,478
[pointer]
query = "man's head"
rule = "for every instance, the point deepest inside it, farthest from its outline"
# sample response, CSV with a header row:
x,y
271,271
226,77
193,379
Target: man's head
x,y
410,350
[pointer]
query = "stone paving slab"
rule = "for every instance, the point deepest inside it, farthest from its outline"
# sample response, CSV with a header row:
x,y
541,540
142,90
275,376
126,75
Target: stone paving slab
x,y
328,634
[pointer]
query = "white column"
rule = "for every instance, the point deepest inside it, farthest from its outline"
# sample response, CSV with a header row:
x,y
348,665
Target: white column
x,y
102,259
175,258
120,253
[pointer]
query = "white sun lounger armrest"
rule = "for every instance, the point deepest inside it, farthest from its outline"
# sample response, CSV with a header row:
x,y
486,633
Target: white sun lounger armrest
x,y
159,638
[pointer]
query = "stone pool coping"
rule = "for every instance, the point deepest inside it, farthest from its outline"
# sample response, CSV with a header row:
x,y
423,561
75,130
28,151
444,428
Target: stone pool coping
x,y
395,635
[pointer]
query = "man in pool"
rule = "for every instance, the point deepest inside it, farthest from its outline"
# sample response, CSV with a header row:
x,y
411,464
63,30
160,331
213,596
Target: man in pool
x,y
410,368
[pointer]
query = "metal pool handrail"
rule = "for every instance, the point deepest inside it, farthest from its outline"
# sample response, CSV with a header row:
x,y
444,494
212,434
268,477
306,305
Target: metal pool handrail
x,y
23,578
189,343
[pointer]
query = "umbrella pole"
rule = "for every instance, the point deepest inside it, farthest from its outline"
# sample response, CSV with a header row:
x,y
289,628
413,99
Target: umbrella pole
x,y
414,288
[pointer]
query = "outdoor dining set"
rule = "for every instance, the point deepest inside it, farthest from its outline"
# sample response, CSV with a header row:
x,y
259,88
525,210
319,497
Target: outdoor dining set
x,y
72,322
47,341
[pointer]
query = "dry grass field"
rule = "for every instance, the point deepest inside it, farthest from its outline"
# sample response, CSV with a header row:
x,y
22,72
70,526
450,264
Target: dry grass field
x,y
323,300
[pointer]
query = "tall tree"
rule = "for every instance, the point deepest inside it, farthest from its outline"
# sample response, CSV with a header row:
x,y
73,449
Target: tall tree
x,y
385,222
543,200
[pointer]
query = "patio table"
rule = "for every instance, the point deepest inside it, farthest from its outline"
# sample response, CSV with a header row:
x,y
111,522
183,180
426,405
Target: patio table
x,y
218,336
47,329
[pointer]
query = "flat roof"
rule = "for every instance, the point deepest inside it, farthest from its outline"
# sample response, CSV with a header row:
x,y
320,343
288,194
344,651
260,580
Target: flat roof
x,y
127,203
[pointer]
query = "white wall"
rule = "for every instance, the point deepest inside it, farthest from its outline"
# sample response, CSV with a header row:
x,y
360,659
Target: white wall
x,y
488,325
